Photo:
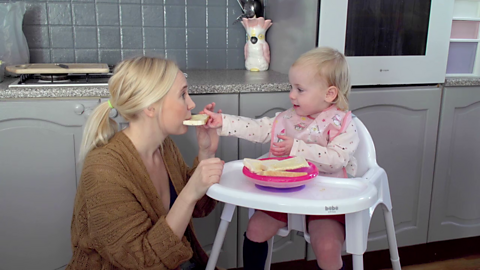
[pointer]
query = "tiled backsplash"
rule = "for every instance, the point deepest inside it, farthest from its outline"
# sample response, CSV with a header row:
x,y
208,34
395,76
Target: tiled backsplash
x,y
197,34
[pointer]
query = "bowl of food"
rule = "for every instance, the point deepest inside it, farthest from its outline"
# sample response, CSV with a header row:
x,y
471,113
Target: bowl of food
x,y
279,172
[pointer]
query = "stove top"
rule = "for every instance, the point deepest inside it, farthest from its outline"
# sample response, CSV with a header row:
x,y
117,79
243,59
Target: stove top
x,y
62,80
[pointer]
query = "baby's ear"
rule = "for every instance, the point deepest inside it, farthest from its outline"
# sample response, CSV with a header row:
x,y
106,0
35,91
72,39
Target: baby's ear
x,y
331,94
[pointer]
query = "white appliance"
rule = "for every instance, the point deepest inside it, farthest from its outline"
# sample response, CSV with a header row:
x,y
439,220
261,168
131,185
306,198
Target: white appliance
x,y
386,42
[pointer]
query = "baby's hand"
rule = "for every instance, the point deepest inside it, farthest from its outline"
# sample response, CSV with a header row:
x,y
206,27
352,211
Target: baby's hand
x,y
284,147
215,120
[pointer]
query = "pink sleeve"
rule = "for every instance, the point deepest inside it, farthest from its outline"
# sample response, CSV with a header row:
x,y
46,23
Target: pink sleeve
x,y
255,130
334,156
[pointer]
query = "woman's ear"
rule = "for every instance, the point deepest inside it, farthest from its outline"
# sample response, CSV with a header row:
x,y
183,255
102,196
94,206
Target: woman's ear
x,y
331,95
149,111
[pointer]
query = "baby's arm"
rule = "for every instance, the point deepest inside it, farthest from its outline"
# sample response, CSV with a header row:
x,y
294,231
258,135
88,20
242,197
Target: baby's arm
x,y
333,157
255,130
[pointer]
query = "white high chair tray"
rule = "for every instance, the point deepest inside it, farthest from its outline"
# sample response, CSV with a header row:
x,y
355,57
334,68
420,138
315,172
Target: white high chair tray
x,y
321,196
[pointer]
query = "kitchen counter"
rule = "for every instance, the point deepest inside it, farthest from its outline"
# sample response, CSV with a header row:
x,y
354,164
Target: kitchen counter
x,y
462,81
199,81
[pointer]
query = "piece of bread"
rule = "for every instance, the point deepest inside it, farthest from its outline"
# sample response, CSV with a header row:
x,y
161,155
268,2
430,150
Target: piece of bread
x,y
254,165
196,120
282,173
288,164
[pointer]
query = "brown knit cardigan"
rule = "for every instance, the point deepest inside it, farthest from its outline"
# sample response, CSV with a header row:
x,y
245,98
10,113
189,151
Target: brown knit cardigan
x,y
119,220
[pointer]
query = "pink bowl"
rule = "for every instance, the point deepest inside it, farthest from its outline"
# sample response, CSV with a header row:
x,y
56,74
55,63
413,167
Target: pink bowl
x,y
282,182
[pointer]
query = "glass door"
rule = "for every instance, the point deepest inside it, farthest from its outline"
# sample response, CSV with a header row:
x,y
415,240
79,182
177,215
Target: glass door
x,y
389,42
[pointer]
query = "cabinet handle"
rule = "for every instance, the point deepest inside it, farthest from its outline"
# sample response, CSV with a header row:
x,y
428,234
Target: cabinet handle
x,y
79,109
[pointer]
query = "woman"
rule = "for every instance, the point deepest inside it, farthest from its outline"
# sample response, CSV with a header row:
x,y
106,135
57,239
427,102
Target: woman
x,y
127,213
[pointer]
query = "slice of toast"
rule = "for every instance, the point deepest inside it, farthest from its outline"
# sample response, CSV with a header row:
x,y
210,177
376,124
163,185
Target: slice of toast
x,y
254,165
282,173
288,164
196,120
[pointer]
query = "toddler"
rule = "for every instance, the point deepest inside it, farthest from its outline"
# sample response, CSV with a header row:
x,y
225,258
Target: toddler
x,y
317,127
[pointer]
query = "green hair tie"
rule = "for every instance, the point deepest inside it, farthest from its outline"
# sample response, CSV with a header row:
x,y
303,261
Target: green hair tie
x,y
110,104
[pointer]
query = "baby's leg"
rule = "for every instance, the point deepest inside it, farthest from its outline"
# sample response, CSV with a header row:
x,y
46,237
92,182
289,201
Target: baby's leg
x,y
327,237
261,228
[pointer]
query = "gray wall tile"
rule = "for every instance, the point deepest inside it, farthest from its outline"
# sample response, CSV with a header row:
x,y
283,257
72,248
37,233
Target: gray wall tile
x,y
217,16
152,15
61,37
154,38
86,37
111,57
132,38
59,14
197,59
63,56
176,38
197,38
235,59
175,16
131,15
179,56
109,37
86,56
196,17
110,30
217,59
107,14
84,14
131,53
217,38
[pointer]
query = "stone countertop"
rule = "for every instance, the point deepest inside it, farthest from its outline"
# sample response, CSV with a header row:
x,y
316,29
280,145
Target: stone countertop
x,y
462,81
199,82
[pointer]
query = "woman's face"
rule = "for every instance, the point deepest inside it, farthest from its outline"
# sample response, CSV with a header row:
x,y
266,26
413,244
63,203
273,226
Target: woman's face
x,y
176,108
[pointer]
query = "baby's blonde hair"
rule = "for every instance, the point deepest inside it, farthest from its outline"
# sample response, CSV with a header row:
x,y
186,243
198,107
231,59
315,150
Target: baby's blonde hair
x,y
136,84
332,66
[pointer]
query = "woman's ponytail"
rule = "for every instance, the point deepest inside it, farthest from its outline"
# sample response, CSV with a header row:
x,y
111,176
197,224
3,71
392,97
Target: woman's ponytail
x,y
98,130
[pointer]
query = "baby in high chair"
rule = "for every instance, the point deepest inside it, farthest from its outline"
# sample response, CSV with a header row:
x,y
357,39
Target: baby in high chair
x,y
319,127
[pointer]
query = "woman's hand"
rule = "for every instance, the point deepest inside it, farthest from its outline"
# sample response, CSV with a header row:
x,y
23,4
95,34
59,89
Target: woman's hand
x,y
284,147
207,173
207,138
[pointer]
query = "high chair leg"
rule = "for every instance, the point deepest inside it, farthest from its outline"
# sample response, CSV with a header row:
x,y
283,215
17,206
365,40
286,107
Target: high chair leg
x,y
227,214
392,239
268,262
357,261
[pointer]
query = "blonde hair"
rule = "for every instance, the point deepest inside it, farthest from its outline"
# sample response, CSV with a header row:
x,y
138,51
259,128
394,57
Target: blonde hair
x,y
330,65
136,84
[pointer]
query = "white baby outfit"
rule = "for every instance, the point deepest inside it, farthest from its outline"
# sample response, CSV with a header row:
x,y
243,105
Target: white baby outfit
x,y
329,141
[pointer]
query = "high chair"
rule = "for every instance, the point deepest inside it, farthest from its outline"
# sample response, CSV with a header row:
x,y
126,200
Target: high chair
x,y
356,197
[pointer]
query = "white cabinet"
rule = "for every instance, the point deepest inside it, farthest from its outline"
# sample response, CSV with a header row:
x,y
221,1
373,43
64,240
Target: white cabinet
x,y
206,227
257,105
403,123
455,200
39,143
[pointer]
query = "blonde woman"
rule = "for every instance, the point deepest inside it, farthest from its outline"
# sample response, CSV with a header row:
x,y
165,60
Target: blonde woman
x,y
317,127
136,196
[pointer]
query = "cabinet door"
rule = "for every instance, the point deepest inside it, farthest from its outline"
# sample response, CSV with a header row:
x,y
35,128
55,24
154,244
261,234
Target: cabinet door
x,y
39,143
206,227
455,212
403,123
257,105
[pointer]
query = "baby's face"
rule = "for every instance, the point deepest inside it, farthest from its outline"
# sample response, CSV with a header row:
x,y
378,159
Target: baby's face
x,y
308,93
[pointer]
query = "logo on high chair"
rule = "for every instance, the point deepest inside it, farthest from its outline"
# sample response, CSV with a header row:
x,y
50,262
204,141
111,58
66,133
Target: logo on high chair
x,y
331,208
